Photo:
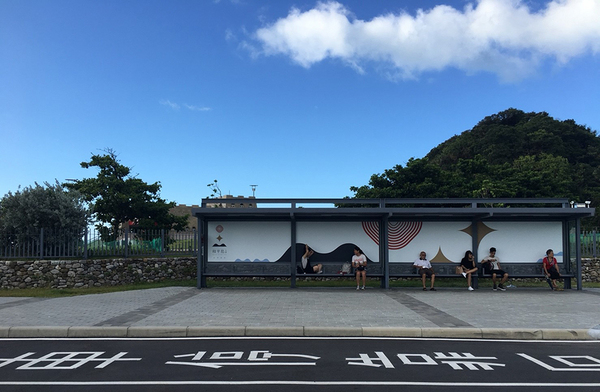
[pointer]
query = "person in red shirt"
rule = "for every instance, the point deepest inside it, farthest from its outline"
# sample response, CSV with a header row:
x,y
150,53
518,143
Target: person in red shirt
x,y
551,270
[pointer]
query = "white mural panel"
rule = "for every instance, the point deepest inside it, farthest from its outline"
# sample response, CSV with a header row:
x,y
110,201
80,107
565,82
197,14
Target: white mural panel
x,y
442,241
516,242
248,241
522,242
326,237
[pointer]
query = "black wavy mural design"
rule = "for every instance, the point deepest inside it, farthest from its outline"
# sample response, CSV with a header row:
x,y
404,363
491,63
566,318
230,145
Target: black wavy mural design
x,y
342,253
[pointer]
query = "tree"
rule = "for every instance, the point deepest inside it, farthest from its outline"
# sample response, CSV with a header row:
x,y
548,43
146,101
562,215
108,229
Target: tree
x,y
216,193
117,197
508,154
214,188
61,212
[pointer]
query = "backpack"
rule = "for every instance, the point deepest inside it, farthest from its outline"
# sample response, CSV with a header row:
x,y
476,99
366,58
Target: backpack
x,y
487,267
346,268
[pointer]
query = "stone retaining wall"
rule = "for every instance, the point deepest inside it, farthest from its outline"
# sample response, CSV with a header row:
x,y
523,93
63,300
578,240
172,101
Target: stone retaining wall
x,y
113,272
90,273
590,270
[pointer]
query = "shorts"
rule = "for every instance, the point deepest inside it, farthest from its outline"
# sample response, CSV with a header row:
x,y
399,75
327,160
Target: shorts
x,y
426,271
361,268
498,272
553,274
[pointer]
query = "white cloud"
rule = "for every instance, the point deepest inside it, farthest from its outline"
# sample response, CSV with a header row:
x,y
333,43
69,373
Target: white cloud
x,y
500,36
230,36
197,108
168,103
231,1
176,106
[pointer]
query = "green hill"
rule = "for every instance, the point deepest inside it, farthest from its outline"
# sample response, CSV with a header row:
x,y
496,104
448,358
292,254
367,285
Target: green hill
x,y
508,135
508,154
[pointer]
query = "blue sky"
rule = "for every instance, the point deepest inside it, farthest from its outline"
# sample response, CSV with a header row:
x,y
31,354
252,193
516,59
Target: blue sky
x,y
302,98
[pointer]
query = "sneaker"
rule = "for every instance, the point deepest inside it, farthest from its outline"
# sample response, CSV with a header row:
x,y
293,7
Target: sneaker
x,y
363,288
495,288
358,287
320,272
501,287
464,275
470,288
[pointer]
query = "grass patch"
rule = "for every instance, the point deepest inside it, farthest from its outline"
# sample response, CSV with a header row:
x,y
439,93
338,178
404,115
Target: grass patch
x,y
281,282
70,292
346,282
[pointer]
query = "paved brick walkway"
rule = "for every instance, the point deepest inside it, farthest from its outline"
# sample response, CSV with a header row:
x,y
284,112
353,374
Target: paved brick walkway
x,y
519,308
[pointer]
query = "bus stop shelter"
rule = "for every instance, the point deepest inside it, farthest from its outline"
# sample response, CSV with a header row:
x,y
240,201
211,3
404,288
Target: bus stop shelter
x,y
248,237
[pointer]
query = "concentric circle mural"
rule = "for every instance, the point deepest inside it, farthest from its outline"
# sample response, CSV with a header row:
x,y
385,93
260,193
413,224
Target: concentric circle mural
x,y
400,234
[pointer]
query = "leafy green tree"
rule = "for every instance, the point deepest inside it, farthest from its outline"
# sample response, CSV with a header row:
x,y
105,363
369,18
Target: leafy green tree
x,y
60,212
117,197
508,154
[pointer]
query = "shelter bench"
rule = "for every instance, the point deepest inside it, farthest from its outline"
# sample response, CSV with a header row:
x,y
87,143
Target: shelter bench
x,y
447,270
374,270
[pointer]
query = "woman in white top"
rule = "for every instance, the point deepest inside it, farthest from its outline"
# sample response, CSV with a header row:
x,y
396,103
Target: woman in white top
x,y
359,261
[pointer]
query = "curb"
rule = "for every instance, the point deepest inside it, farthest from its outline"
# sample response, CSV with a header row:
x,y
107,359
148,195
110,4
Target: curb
x,y
256,331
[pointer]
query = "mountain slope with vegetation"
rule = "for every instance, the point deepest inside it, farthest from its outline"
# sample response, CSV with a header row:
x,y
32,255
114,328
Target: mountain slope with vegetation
x,y
508,154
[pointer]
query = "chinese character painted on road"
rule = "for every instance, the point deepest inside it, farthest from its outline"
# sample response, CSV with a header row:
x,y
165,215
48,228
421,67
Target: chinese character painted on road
x,y
219,359
468,360
64,360
567,363
455,360
365,360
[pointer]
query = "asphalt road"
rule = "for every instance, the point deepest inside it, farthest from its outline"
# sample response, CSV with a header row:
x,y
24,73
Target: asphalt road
x,y
297,364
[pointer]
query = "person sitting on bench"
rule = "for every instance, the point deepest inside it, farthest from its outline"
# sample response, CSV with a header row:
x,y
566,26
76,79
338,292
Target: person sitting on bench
x,y
491,265
306,267
550,266
359,262
469,267
425,269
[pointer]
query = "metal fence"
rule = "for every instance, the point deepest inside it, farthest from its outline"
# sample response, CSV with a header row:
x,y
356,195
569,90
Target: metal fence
x,y
48,244
589,243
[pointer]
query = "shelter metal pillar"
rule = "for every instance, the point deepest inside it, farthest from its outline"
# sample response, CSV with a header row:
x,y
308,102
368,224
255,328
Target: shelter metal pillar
x,y
577,256
384,252
201,254
293,254
475,247
566,253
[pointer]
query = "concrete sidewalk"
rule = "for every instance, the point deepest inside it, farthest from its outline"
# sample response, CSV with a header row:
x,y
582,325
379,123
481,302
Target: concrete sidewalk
x,y
520,313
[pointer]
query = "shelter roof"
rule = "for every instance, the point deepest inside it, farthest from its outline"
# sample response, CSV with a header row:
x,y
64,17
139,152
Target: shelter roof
x,y
394,209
